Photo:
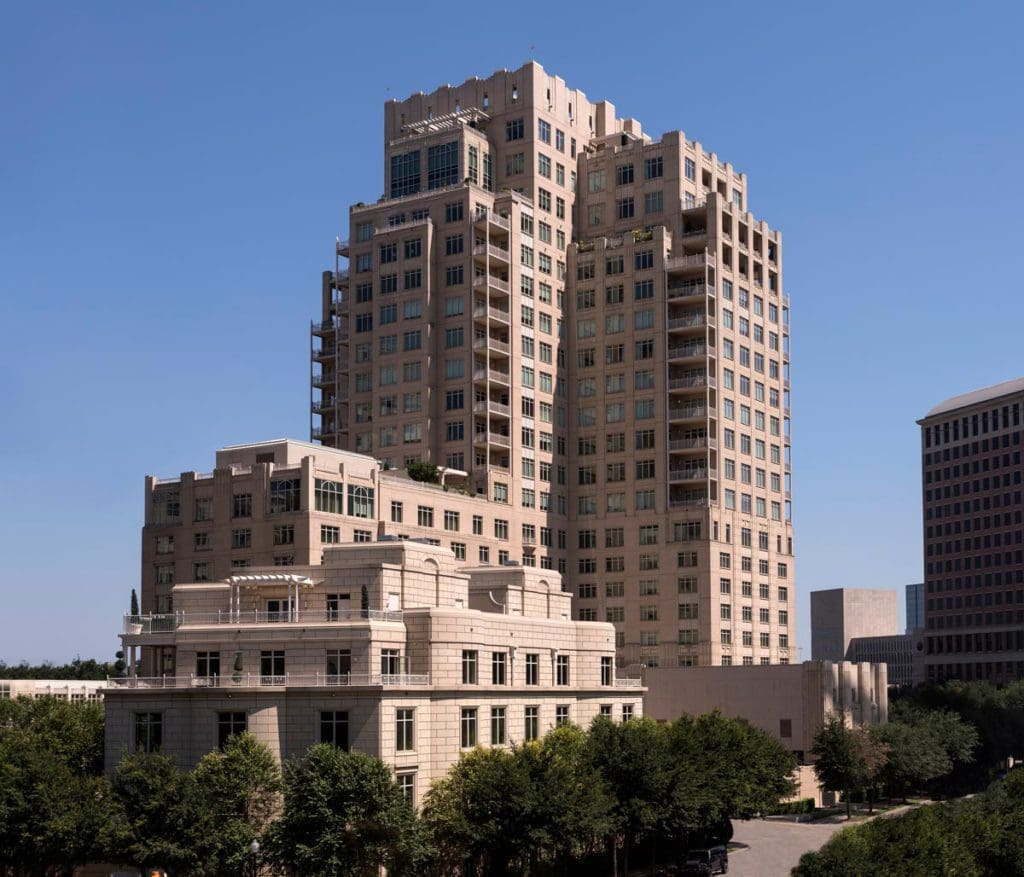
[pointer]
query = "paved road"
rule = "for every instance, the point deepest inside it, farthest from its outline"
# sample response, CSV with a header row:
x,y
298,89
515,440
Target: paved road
x,y
775,847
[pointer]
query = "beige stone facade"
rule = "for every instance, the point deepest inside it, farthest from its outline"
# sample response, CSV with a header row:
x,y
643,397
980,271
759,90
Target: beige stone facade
x,y
393,648
74,690
789,702
973,508
590,324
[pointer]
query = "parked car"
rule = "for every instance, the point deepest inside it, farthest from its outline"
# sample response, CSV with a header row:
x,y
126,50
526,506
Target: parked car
x,y
714,860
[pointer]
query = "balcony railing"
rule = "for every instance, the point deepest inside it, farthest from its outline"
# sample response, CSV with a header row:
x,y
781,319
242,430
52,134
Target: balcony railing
x,y
287,680
625,682
163,623
687,474
484,374
688,502
688,444
493,314
340,277
483,281
492,251
694,381
686,290
491,217
690,321
696,260
491,344
502,441
492,407
687,350
681,412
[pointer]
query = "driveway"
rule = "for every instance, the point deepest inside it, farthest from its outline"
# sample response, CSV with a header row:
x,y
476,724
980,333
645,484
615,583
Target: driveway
x,y
774,846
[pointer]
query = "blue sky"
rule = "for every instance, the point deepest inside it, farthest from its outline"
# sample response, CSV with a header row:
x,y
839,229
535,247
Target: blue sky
x,y
173,176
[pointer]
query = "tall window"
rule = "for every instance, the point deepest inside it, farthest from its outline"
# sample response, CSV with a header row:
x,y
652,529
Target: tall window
x,y
561,716
442,165
230,724
390,662
334,728
327,497
272,668
149,731
562,670
338,666
467,726
405,174
531,723
533,669
498,734
285,495
360,501
606,670
469,662
404,730
498,662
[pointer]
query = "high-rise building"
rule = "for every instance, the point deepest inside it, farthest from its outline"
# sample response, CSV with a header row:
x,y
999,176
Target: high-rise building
x,y
915,607
971,474
585,325
839,615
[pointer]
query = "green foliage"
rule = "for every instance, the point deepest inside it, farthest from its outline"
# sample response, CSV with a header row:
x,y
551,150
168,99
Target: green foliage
x,y
423,471
995,712
238,787
848,759
89,669
969,838
134,604
343,815
161,823
791,808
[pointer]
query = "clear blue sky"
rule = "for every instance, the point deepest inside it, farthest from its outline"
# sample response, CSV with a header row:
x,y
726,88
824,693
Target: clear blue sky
x,y
172,178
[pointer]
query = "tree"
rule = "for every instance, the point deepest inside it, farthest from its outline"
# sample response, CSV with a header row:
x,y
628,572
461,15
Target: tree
x,y
343,815
481,815
840,765
632,757
238,787
161,821
422,471
55,808
134,604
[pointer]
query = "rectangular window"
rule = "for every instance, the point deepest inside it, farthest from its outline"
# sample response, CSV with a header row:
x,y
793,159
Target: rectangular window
x,y
498,666
404,727
334,729
498,732
467,726
469,667
230,724
149,731
533,669
606,670
531,723
562,670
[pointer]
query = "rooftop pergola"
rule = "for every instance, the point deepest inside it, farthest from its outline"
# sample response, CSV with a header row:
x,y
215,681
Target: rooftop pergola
x,y
257,581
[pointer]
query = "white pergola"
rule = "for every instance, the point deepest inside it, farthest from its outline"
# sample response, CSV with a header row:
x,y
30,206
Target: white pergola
x,y
251,582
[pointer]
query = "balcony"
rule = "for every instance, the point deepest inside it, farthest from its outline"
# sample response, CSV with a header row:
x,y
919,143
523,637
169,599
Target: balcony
x,y
688,502
490,374
328,351
688,321
693,382
482,312
326,327
697,443
687,351
624,682
322,405
687,412
288,680
341,248
686,290
134,625
482,251
485,281
489,217
696,261
340,278
493,438
697,474
492,344
323,380
492,408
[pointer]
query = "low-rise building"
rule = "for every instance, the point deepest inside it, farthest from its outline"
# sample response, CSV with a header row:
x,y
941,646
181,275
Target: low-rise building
x,y
74,690
393,648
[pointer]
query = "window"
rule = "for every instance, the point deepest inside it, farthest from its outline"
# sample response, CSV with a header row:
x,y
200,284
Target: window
x,y
334,728
451,520
425,516
531,723
467,721
149,731
498,666
543,131
562,670
404,739
533,669
606,670
242,505
624,208
690,169
239,539
623,174
230,724
498,732
442,165
469,662
360,501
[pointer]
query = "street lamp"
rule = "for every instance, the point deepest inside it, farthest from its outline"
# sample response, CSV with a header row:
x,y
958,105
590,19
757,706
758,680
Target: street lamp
x,y
254,848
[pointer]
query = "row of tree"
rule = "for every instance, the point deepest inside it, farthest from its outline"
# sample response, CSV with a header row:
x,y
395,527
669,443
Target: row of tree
x,y
78,669
970,837
575,802
912,752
